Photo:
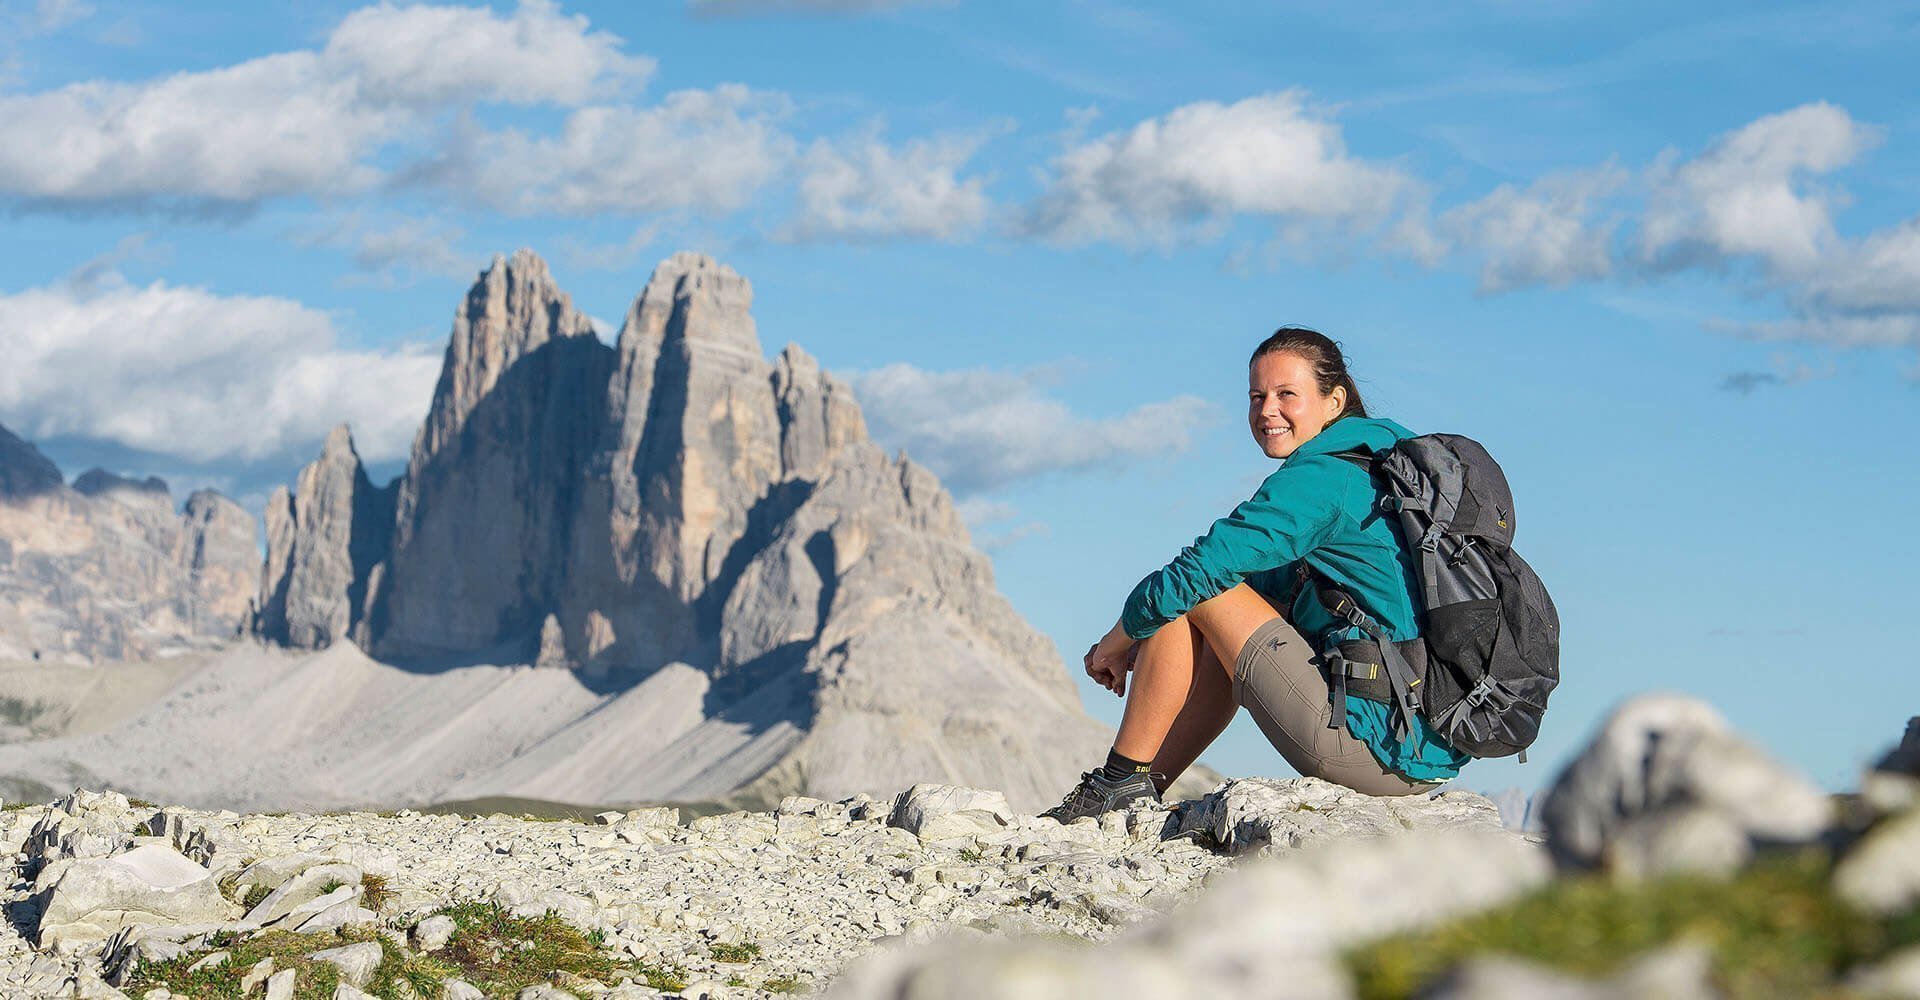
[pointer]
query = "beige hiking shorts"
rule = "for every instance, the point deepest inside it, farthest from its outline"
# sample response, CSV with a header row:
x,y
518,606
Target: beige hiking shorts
x,y
1278,679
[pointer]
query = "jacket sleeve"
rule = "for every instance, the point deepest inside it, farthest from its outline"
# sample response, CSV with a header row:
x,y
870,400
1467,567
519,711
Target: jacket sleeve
x,y
1292,513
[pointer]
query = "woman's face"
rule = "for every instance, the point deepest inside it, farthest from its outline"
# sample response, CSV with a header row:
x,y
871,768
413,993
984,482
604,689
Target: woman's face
x,y
1285,407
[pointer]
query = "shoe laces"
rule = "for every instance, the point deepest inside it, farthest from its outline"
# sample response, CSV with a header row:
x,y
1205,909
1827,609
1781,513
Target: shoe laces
x,y
1083,789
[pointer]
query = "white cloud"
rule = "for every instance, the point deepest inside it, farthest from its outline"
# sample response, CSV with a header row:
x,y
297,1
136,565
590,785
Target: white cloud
x,y
295,122
708,150
273,126
867,190
395,251
185,372
1544,233
423,55
1749,194
980,429
1886,330
1201,164
1879,272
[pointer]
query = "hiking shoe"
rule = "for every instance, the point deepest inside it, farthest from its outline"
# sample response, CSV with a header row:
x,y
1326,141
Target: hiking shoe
x,y
1096,793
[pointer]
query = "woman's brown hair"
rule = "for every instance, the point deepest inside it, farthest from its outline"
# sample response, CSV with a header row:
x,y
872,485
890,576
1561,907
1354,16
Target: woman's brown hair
x,y
1323,356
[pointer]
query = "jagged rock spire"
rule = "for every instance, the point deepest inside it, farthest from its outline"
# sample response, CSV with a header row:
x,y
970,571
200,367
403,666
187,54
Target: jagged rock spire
x,y
510,311
486,511
323,542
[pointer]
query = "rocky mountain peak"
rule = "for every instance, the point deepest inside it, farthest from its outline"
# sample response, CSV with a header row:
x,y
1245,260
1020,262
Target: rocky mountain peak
x,y
782,602
338,447
98,483
692,297
510,312
24,472
323,542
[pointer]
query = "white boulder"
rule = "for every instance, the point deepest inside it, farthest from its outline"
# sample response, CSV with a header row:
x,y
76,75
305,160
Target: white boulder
x,y
1663,752
947,812
89,899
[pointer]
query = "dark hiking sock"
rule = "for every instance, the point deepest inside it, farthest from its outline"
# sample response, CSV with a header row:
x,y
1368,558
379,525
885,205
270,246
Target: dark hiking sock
x,y
1118,768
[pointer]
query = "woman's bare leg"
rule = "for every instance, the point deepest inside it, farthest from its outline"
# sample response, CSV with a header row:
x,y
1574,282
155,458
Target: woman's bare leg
x,y
1179,702
1210,706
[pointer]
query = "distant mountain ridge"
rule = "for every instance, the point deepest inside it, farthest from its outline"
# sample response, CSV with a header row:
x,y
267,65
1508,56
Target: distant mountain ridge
x,y
107,569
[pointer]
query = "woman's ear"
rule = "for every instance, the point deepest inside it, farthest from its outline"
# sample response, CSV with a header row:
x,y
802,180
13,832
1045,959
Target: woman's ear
x,y
1336,402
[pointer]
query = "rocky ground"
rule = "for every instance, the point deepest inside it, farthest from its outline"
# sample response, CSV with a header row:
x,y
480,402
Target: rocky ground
x,y
942,891
783,898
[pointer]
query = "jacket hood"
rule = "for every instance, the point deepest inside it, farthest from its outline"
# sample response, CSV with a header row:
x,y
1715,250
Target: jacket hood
x,y
1369,434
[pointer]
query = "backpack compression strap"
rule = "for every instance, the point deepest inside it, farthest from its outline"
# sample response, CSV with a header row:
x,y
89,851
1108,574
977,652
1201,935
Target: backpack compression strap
x,y
1400,675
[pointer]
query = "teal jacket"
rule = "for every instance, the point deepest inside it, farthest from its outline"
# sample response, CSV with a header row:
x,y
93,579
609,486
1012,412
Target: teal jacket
x,y
1322,510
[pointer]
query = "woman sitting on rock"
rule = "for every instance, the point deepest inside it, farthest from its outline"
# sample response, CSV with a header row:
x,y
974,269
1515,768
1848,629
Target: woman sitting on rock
x,y
1205,635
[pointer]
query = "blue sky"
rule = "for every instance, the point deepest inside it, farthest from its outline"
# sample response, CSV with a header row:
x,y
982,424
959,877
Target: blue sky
x,y
1663,260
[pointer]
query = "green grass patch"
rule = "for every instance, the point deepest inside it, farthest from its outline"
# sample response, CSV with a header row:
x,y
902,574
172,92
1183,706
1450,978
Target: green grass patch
x,y
1774,930
312,980
970,854
736,953
255,896
783,984
492,949
501,953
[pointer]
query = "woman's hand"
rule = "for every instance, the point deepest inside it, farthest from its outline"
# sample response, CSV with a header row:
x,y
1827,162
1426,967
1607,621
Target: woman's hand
x,y
1109,660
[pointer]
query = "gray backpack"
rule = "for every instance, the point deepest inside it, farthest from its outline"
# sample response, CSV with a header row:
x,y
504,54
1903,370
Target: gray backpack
x,y
1489,650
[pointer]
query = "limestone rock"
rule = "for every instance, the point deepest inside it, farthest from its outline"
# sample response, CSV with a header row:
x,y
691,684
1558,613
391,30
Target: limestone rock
x,y
1690,839
272,873
107,569
356,962
1668,752
460,989
433,933
339,916
1881,874
1259,814
257,976
88,900
323,544
339,882
485,512
218,550
945,812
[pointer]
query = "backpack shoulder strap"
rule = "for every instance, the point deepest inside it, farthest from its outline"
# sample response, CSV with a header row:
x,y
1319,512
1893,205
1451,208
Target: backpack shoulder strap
x,y
1355,456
